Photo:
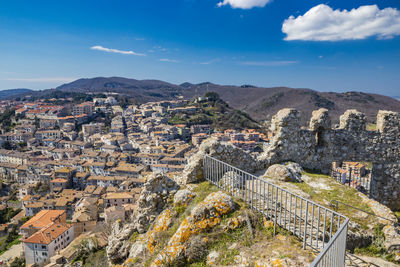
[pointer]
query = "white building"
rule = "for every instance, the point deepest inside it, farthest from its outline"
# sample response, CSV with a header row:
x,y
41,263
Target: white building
x,y
44,244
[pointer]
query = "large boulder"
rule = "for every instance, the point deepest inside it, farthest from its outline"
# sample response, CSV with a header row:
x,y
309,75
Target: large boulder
x,y
203,217
183,197
285,173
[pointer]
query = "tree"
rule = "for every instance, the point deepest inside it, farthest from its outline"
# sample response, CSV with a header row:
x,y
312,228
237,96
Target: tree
x,y
37,122
18,262
7,145
212,96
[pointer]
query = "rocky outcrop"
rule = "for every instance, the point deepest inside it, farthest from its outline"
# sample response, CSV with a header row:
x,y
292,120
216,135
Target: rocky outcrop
x,y
118,248
358,237
223,151
152,200
151,203
285,173
203,217
183,197
390,229
147,242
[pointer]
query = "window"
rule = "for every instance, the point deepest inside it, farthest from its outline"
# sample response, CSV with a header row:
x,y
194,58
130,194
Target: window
x,y
44,254
43,247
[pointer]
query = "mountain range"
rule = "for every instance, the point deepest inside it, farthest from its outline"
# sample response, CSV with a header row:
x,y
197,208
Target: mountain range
x,y
13,92
259,102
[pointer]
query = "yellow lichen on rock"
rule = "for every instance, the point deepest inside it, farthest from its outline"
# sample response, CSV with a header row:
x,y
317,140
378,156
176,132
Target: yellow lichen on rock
x,y
162,223
268,224
277,262
204,216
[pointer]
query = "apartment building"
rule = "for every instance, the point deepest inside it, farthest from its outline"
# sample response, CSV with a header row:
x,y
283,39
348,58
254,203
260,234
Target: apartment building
x,y
44,244
83,108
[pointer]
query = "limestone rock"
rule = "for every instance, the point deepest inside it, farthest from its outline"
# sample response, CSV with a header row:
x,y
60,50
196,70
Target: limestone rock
x,y
151,203
204,216
285,173
152,200
118,249
183,197
212,258
236,222
147,242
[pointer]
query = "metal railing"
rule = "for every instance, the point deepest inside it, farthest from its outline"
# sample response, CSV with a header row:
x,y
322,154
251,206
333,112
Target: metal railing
x,y
319,228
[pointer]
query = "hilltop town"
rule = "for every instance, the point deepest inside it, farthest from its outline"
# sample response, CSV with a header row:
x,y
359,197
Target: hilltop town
x,y
73,168
93,181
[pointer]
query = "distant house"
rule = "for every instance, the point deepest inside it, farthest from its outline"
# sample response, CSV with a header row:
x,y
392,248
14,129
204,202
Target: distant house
x,y
118,199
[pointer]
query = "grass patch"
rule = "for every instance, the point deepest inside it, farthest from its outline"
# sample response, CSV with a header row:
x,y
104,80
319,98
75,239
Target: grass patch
x,y
133,237
371,127
340,193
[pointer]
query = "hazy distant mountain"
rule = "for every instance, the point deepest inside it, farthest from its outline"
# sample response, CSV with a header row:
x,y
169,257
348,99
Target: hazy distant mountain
x,y
142,90
13,92
258,102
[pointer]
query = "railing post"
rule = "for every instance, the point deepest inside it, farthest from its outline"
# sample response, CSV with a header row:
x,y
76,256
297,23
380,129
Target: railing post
x,y
305,227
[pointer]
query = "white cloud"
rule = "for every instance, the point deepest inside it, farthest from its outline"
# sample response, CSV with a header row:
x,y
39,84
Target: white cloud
x,y
112,50
269,63
169,60
244,4
42,80
322,23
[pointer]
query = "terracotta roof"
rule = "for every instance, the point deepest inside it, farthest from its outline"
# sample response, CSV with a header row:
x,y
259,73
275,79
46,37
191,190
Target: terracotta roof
x,y
118,195
48,234
59,180
43,218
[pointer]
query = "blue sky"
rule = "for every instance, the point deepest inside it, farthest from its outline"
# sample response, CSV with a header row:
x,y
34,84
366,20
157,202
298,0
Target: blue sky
x,y
327,46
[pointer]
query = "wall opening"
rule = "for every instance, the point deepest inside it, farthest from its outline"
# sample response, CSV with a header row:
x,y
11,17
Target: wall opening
x,y
356,174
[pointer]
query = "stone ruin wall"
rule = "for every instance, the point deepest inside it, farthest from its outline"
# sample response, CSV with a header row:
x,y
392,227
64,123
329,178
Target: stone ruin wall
x,y
319,145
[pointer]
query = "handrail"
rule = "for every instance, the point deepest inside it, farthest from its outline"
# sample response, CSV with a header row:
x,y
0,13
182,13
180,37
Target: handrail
x,y
319,227
277,186
367,212
324,252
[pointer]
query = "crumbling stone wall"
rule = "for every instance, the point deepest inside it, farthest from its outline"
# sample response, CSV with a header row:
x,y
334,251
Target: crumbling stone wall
x,y
319,145
223,151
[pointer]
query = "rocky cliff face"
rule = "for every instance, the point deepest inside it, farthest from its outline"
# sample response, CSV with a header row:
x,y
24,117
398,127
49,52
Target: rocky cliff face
x,y
152,201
